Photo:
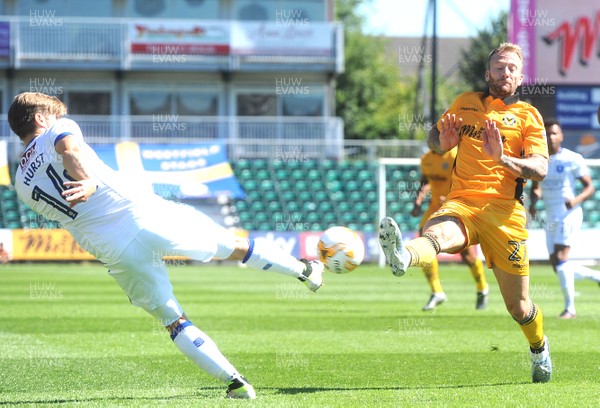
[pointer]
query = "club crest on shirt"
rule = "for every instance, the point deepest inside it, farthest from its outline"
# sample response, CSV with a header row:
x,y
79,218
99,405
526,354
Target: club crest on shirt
x,y
509,120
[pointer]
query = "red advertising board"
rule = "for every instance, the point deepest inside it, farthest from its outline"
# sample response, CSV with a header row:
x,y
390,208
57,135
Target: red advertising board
x,y
179,38
560,40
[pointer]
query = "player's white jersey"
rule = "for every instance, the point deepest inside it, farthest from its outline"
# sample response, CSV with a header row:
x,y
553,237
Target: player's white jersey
x,y
39,183
564,168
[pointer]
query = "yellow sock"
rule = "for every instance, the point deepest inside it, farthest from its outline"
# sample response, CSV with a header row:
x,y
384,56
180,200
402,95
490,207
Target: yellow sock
x,y
433,277
423,250
533,327
479,275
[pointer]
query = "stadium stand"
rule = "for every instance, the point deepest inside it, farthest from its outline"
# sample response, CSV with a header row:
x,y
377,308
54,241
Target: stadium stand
x,y
316,194
313,195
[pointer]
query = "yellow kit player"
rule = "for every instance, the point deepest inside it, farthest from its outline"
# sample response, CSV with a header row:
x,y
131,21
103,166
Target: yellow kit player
x,y
500,143
436,173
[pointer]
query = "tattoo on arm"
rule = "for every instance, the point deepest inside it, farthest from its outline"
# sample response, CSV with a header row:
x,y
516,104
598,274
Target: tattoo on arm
x,y
533,167
433,140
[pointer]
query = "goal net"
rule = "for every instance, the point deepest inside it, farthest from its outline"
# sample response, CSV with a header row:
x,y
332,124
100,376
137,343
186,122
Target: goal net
x,y
399,181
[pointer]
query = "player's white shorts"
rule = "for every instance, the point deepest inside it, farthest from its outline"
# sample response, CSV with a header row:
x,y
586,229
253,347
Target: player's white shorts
x,y
560,229
180,231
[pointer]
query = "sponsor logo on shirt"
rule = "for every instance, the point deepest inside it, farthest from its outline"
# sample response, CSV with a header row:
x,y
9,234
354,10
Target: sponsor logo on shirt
x,y
30,163
27,156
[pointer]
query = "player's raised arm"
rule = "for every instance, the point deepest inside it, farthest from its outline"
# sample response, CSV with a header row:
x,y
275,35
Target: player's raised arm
x,y
532,167
444,139
83,186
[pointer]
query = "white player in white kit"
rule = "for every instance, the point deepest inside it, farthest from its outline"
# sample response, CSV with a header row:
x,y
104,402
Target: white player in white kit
x,y
62,178
564,214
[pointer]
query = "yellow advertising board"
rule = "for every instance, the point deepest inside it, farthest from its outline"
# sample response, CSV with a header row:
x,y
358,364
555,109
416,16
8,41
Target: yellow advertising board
x,y
53,245
46,245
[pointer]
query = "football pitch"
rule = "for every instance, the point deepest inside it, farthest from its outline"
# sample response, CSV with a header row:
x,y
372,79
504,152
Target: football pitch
x,y
68,336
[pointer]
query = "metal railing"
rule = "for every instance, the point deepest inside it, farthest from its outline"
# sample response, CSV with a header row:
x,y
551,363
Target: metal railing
x,y
276,138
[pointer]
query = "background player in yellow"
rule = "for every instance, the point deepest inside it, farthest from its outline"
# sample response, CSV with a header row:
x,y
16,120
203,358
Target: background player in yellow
x,y
501,143
436,172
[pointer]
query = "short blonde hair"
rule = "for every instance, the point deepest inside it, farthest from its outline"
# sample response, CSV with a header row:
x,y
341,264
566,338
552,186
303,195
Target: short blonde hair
x,y
21,114
506,47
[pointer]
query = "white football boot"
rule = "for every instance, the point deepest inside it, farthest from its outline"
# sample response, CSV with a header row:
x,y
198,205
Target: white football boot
x,y
390,239
541,364
312,276
434,300
240,388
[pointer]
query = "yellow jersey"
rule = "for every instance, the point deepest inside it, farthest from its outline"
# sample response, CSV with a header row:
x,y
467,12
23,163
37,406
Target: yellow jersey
x,y
522,130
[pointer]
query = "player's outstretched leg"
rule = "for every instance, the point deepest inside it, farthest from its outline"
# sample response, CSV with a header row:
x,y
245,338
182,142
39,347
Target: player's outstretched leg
x,y
312,276
390,239
259,255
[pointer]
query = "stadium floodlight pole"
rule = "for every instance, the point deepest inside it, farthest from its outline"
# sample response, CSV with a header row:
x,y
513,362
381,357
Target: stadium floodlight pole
x,y
419,104
434,40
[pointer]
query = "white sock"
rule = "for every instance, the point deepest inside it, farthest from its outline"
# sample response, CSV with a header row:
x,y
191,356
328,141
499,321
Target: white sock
x,y
272,258
567,284
583,272
540,356
200,348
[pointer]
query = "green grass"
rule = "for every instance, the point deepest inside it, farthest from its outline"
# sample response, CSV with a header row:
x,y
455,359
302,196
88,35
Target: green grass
x,y
68,336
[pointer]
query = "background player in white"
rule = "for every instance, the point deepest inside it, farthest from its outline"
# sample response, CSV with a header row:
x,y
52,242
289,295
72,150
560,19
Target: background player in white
x,y
61,178
564,214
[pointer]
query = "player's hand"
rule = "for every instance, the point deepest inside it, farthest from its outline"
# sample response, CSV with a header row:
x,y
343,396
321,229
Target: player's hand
x,y
492,140
79,191
569,203
532,211
449,136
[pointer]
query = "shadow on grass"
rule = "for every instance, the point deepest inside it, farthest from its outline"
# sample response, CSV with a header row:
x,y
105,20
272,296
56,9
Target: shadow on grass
x,y
292,391
208,392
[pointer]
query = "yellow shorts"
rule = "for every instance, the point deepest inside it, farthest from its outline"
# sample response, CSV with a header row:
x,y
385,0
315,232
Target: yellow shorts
x,y
498,226
428,213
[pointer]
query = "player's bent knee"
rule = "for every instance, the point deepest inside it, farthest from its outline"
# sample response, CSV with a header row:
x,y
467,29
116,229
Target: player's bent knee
x,y
449,232
167,313
518,310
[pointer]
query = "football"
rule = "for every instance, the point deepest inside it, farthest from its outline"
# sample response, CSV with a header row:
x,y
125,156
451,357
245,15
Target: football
x,y
341,249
